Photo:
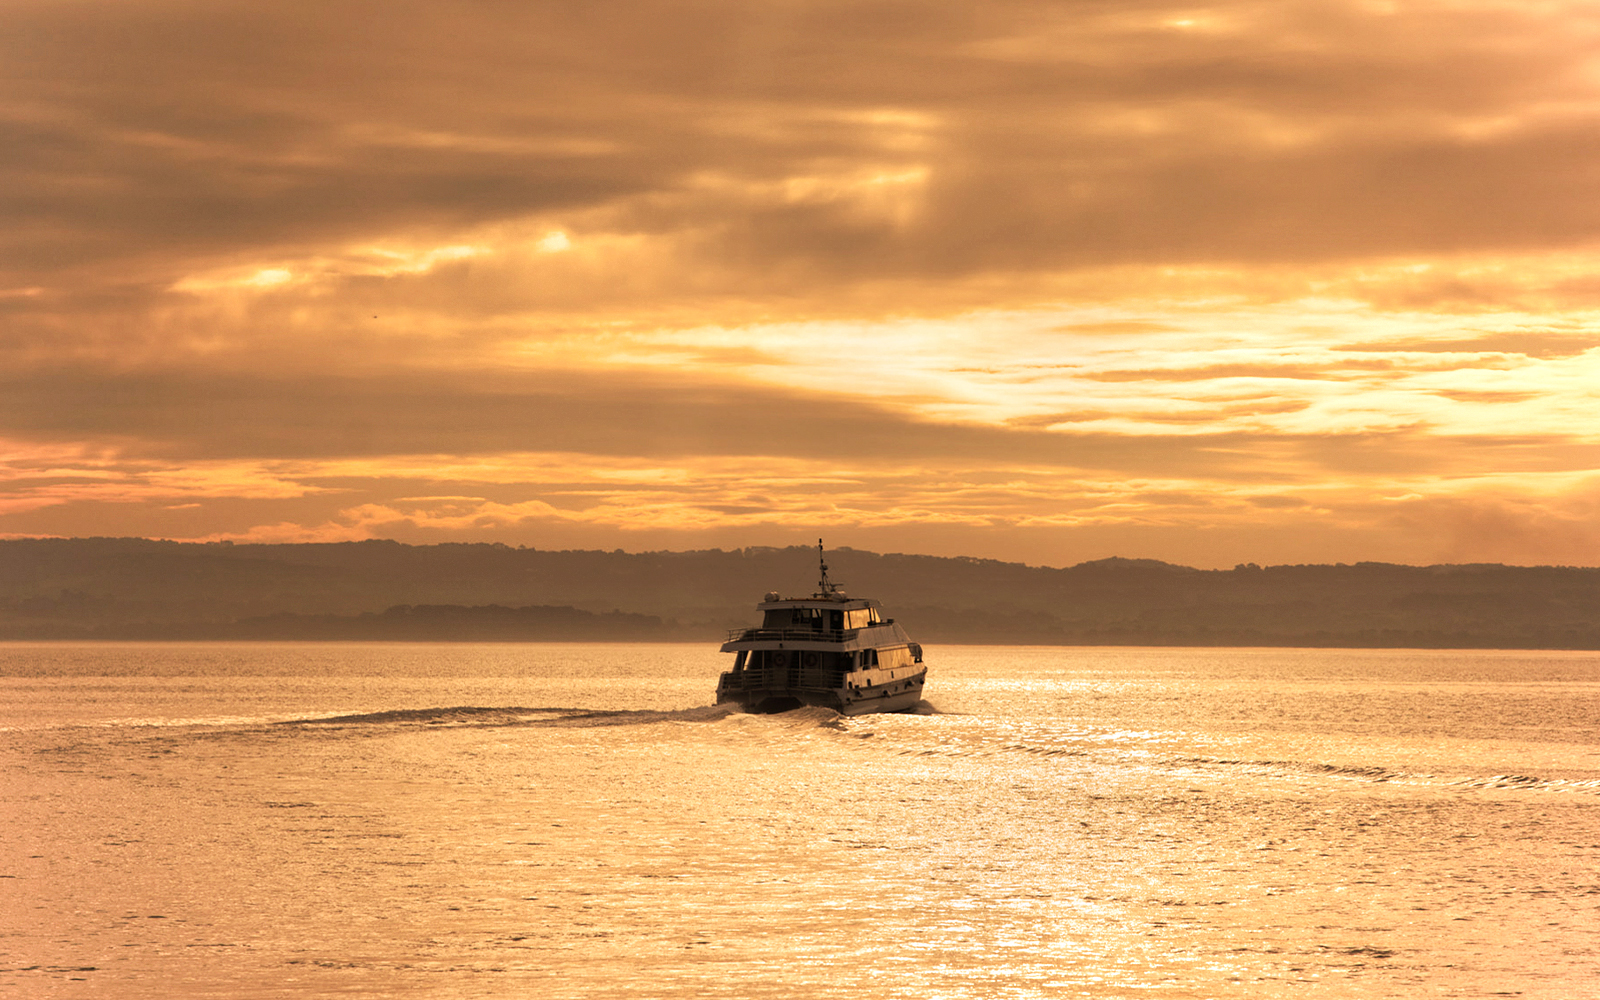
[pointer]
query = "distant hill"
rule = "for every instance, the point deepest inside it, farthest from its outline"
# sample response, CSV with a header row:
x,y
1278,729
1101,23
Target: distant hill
x,y
137,588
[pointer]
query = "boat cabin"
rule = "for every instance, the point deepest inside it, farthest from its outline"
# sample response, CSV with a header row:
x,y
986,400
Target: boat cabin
x,y
831,616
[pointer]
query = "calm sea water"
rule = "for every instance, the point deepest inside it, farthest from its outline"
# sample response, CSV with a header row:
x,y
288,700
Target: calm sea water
x,y
240,820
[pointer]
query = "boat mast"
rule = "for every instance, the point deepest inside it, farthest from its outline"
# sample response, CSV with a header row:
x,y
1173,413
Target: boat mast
x,y
824,587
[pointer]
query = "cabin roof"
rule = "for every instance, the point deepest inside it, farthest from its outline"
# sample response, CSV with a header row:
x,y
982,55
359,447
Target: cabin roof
x,y
824,603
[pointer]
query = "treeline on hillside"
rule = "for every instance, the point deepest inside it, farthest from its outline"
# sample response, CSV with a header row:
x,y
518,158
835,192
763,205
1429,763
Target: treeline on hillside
x,y
401,623
137,588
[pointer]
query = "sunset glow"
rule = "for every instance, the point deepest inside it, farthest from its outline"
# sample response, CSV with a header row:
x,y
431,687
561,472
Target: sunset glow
x,y
1248,281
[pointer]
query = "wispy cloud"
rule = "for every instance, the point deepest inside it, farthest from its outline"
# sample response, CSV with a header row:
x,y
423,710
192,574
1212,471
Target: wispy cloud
x,y
1313,278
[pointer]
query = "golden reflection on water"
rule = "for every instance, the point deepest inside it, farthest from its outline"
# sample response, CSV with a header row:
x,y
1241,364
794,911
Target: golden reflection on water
x,y
449,837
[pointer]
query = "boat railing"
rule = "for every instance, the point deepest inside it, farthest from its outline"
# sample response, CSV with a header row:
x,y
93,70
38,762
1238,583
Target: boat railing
x,y
790,634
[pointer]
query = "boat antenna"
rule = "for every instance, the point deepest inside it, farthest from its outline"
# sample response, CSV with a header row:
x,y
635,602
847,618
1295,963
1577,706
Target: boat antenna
x,y
824,587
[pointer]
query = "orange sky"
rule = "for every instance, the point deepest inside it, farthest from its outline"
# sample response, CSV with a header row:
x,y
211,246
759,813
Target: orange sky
x,y
1268,281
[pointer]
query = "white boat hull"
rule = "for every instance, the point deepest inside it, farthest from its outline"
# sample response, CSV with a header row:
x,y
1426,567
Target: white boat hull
x,y
863,693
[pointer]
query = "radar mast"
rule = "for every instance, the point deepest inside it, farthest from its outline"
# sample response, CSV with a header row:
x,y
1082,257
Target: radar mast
x,y
825,588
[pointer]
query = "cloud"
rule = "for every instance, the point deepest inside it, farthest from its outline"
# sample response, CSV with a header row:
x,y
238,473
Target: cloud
x,y
173,415
1533,344
1022,266
771,142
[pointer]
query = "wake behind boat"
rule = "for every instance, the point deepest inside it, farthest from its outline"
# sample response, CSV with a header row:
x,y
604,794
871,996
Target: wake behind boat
x,y
828,650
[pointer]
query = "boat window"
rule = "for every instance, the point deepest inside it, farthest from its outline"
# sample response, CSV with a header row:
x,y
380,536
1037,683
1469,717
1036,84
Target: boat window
x,y
898,656
793,618
862,617
738,663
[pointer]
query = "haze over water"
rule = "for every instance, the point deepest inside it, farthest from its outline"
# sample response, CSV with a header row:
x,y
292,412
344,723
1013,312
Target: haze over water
x,y
579,821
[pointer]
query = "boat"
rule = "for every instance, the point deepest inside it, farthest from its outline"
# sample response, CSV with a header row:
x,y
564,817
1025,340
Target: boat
x,y
828,650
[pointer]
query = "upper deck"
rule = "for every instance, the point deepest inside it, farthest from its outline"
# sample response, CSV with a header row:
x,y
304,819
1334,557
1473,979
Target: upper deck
x,y
832,618
827,616
831,613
